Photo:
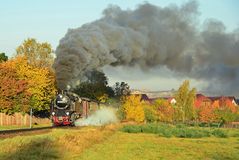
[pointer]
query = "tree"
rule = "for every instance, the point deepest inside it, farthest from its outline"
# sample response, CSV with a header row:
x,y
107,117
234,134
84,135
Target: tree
x,y
24,86
207,114
165,110
185,102
121,89
14,96
41,83
3,57
133,108
38,54
226,112
150,112
95,87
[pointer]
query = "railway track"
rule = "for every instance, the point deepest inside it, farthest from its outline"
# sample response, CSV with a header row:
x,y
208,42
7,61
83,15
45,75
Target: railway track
x,y
4,133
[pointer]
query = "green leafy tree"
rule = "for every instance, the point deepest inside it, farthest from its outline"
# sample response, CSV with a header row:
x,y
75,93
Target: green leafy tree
x,y
3,57
185,102
38,54
121,89
225,115
96,87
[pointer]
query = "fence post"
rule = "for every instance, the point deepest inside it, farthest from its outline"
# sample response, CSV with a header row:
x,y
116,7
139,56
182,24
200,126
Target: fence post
x,y
31,118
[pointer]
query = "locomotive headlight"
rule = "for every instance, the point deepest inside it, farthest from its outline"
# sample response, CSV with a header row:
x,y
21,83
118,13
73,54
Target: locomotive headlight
x,y
53,113
67,113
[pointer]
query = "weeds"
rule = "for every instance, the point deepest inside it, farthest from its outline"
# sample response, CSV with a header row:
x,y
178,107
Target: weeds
x,y
180,130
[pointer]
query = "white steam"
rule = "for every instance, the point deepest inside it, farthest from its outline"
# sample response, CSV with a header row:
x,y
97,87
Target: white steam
x,y
100,117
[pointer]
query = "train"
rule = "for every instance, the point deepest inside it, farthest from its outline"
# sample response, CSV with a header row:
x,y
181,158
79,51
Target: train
x,y
67,107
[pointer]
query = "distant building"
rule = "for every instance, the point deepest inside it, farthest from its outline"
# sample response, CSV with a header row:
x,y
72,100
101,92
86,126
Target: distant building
x,y
201,100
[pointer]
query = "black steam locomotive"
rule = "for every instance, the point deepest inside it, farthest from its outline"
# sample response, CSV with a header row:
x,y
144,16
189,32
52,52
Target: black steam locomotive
x,y
67,107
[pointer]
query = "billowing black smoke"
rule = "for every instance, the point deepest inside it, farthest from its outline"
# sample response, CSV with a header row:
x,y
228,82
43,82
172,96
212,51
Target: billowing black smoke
x,y
151,36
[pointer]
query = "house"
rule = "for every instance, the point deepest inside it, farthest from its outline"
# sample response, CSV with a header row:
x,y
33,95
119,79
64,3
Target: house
x,y
144,97
202,100
222,101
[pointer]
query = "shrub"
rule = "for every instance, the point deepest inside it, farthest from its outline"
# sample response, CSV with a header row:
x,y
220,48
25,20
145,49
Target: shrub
x,y
150,113
219,133
132,129
180,131
120,114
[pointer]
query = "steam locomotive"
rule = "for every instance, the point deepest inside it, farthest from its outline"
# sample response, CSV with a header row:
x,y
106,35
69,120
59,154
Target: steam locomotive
x,y
67,107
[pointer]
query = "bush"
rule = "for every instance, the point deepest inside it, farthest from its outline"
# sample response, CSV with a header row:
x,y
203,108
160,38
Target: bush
x,y
120,114
150,113
190,133
180,125
219,133
132,129
180,131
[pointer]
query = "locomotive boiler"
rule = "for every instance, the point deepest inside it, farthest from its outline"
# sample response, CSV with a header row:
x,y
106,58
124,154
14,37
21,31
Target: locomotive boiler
x,y
67,107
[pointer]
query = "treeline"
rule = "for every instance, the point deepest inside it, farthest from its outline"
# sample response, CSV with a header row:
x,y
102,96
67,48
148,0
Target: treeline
x,y
27,79
134,108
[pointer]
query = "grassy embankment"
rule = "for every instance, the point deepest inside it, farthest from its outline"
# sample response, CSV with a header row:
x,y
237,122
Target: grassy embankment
x,y
96,143
61,143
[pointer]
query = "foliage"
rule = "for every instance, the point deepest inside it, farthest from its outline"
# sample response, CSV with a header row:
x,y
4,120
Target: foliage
x,y
41,83
95,87
25,86
121,114
3,57
219,133
14,95
133,108
206,113
185,103
164,109
150,113
121,89
180,131
225,115
38,54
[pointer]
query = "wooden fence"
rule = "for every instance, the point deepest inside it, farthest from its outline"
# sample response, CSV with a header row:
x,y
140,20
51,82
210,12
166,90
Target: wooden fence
x,y
20,120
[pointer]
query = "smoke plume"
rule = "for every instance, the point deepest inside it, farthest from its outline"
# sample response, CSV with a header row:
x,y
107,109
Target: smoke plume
x,y
151,36
100,117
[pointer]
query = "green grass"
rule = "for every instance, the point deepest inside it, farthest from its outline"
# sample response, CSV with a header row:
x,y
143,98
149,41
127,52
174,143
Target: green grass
x,y
61,143
125,146
108,143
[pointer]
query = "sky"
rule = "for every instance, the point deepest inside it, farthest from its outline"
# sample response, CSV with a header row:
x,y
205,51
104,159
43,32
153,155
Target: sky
x,y
48,21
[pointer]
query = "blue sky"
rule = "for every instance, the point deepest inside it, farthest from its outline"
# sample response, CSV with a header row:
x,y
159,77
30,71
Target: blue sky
x,y
48,20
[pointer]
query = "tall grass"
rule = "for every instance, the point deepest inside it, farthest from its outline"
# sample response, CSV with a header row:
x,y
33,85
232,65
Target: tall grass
x,y
63,143
180,131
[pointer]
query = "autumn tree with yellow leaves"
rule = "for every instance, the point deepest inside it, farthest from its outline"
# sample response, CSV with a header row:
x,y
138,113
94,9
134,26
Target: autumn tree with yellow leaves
x,y
24,86
27,80
38,54
14,95
133,108
41,83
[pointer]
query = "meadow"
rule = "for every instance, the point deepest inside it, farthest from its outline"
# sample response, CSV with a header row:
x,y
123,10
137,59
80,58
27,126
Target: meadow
x,y
116,142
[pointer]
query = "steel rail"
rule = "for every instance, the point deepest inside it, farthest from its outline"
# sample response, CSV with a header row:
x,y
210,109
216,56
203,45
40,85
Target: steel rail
x,y
12,131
